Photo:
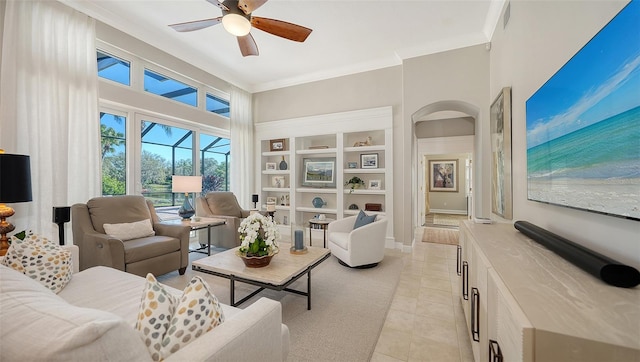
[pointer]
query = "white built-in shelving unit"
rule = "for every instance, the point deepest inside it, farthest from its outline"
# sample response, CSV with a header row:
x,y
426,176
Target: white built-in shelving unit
x,y
308,138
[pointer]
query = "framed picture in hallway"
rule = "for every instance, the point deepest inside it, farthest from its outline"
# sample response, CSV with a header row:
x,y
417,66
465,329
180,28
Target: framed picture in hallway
x,y
443,175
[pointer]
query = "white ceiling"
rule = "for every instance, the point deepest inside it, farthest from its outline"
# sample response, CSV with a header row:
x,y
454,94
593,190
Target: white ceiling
x,y
349,36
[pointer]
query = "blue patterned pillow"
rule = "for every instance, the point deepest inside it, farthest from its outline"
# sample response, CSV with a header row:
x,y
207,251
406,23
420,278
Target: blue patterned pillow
x,y
363,219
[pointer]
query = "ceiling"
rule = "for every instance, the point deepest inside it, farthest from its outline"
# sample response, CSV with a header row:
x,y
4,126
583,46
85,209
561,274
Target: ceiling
x,y
349,36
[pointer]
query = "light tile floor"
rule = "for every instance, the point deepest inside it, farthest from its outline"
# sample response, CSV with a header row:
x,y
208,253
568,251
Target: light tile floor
x,y
425,321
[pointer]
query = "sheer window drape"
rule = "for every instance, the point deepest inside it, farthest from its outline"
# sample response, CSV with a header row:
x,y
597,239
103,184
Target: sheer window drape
x,y
49,106
241,146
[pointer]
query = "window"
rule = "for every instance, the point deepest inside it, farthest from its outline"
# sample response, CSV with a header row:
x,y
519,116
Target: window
x,y
113,144
166,151
112,68
217,105
170,88
214,163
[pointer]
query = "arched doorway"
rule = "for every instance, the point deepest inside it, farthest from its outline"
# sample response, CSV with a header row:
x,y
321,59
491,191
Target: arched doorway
x,y
446,113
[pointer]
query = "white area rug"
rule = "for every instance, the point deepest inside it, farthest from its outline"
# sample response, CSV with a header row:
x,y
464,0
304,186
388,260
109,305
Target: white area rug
x,y
348,307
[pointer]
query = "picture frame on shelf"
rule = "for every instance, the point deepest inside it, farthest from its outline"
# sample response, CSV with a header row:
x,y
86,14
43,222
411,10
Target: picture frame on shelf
x,y
277,145
278,181
375,185
272,199
352,165
443,175
319,172
369,160
270,166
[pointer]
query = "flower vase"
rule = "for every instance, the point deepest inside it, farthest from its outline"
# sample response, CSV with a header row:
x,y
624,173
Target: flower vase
x,y
256,261
283,164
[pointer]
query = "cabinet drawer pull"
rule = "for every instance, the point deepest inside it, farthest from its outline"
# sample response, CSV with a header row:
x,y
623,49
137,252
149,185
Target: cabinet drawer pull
x,y
475,314
495,354
458,260
465,280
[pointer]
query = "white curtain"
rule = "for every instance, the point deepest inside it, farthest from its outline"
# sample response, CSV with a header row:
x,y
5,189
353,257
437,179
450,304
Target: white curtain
x,y
242,156
49,107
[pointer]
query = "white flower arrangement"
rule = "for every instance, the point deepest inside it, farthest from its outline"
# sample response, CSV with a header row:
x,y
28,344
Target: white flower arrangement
x,y
258,235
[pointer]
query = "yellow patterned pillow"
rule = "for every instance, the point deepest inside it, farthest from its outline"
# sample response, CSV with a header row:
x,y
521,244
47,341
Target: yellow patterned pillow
x,y
40,259
167,323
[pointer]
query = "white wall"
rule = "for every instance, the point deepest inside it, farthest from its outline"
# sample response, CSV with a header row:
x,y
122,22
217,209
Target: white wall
x,y
541,37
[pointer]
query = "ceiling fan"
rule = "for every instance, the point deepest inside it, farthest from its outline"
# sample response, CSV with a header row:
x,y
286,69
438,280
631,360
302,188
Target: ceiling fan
x,y
237,20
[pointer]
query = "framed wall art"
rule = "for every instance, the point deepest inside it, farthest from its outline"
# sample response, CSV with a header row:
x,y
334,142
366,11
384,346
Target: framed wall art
x,y
319,172
443,175
500,124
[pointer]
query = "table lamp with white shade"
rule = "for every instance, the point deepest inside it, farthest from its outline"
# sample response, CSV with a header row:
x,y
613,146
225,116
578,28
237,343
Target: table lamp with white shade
x,y
186,184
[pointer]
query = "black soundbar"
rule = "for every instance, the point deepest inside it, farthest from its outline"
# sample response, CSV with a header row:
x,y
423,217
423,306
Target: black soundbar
x,y
608,270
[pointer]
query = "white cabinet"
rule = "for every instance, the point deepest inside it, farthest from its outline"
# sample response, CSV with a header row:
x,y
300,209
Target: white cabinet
x,y
344,140
524,303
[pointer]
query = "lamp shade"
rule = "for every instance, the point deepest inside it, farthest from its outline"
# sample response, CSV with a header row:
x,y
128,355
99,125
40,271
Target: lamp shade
x,y
186,183
15,178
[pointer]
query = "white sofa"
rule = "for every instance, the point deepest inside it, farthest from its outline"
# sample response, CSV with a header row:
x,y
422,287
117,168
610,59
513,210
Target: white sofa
x,y
93,318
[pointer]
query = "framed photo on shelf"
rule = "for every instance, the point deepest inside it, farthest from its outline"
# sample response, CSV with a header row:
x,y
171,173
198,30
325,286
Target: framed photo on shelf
x,y
270,166
277,145
443,175
369,160
374,185
278,181
352,165
271,199
319,172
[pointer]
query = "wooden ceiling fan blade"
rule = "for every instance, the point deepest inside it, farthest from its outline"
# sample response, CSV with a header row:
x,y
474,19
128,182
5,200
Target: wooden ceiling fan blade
x,y
247,45
248,6
281,28
196,25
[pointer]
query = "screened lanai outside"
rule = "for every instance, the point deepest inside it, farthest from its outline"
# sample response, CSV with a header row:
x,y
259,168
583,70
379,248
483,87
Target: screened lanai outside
x,y
168,150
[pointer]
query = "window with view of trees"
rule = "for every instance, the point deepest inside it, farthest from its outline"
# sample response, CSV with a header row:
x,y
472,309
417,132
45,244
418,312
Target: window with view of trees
x,y
214,163
113,144
165,149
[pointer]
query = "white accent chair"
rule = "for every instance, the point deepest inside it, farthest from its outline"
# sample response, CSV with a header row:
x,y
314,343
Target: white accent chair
x,y
357,248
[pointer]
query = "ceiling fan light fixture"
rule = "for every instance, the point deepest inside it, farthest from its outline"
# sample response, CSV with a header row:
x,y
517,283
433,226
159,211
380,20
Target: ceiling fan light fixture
x,y
235,24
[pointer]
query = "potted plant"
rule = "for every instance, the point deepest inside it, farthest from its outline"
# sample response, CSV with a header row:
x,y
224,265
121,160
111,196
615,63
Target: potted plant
x,y
259,240
354,183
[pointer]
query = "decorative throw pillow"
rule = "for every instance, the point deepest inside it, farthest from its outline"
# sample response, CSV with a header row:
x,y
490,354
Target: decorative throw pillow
x,y
40,259
363,219
130,230
156,308
167,324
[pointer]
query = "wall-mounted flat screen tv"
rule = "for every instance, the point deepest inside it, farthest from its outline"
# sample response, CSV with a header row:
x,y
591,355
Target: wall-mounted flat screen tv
x,y
583,125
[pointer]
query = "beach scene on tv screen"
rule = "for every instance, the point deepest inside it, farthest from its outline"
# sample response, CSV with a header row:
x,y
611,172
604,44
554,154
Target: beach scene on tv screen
x,y
583,125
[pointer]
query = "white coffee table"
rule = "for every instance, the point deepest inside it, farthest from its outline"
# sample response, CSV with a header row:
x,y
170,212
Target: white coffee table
x,y
284,269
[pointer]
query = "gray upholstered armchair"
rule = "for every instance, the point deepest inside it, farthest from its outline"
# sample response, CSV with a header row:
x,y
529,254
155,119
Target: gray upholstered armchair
x,y
223,205
136,242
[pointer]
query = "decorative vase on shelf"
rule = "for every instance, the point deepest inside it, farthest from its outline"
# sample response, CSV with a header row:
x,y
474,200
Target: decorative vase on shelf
x,y
318,202
259,240
283,164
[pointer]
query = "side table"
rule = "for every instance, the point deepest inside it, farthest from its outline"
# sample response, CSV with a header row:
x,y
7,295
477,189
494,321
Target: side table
x,y
316,223
202,223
